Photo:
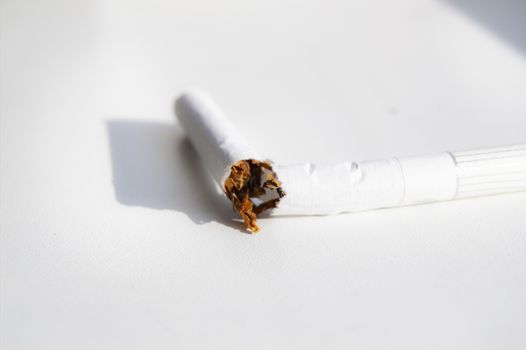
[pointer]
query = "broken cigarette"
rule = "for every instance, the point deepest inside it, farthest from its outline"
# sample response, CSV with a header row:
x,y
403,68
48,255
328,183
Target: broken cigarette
x,y
255,185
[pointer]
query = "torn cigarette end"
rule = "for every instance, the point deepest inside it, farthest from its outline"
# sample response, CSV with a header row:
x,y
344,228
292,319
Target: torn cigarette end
x,y
250,179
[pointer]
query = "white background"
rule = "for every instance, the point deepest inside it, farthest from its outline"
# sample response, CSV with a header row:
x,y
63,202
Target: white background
x,y
112,237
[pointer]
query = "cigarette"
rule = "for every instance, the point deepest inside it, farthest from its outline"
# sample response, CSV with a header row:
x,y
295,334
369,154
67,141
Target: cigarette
x,y
255,185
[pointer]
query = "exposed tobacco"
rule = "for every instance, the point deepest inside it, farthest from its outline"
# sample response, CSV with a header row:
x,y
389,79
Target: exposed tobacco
x,y
250,179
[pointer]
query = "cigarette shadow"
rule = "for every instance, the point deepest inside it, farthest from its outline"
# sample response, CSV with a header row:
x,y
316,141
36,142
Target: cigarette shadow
x,y
504,17
155,166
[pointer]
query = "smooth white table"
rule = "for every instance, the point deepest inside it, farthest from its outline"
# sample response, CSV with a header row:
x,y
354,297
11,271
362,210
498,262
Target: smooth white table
x,y
112,238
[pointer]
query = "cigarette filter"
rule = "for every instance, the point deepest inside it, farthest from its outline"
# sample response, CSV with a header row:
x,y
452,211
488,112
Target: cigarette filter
x,y
255,185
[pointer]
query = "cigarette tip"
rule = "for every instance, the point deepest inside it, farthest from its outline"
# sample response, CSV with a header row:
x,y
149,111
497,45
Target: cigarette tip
x,y
191,93
189,99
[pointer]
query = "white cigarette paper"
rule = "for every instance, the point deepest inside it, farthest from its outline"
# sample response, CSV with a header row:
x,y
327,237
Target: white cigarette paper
x,y
216,140
317,189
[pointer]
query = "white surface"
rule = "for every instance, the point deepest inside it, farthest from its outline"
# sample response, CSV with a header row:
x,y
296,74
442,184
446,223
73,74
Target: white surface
x,y
109,240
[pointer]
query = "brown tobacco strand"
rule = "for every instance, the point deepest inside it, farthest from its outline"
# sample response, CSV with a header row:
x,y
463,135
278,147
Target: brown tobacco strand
x,y
244,183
